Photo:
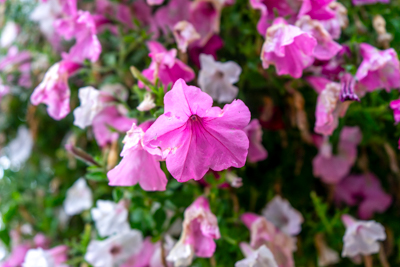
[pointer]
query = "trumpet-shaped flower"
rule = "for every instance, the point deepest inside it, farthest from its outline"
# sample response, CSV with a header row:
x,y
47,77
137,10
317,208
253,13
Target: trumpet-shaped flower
x,y
217,78
257,152
261,257
138,165
79,198
288,48
194,137
361,237
90,106
185,34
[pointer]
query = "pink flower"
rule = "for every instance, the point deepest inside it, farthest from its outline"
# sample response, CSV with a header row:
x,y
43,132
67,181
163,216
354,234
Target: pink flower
x,y
185,34
138,165
143,258
53,257
263,232
395,105
368,2
193,136
335,25
379,69
326,48
110,117
154,2
165,66
17,256
54,90
361,237
317,9
288,48
169,15
257,152
200,228
318,83
261,257
210,48
14,59
366,192
333,168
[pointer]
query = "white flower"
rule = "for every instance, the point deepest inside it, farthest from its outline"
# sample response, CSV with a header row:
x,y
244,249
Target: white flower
x,y
79,198
283,215
91,105
262,257
9,34
181,254
361,237
217,79
19,149
110,218
114,250
45,14
38,258
326,255
147,103
185,33
116,90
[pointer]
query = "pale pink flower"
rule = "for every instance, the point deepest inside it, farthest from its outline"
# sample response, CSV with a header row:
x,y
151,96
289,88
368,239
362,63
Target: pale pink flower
x,y
317,9
395,105
166,17
166,66
261,257
9,34
335,25
200,228
379,69
54,90
366,192
185,34
15,60
17,256
318,83
257,152
326,48
138,165
283,215
333,168
194,137
361,237
147,103
110,217
79,198
368,2
288,48
217,78
154,2
55,257
46,13
90,106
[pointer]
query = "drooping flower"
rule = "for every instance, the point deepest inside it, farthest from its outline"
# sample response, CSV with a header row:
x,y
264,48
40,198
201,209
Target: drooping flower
x,y
137,164
395,105
326,48
54,90
347,92
185,34
283,215
55,257
257,152
369,2
379,69
200,228
261,257
366,192
361,237
79,198
326,255
317,9
90,106
114,250
110,218
263,232
333,168
194,137
19,149
288,48
147,103
9,34
166,66
217,78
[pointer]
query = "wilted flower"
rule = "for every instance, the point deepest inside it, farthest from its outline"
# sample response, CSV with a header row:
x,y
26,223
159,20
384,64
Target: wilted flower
x,y
217,78
147,103
55,257
9,34
200,228
283,215
110,217
114,250
361,237
185,34
261,257
257,152
79,198
288,48
193,136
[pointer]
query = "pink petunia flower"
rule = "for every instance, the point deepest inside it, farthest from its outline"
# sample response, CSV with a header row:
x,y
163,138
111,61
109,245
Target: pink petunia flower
x,y
379,69
257,152
54,90
138,165
185,34
335,25
194,137
395,105
200,228
210,48
56,257
288,48
317,9
368,2
165,66
366,192
333,168
166,17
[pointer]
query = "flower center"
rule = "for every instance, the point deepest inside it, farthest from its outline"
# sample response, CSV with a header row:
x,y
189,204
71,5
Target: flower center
x,y
114,250
194,117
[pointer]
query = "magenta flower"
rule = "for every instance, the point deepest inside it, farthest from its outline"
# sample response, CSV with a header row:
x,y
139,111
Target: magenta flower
x,y
317,9
210,48
169,15
17,256
288,48
333,168
166,66
348,86
110,117
54,90
335,25
379,69
366,192
200,228
138,165
395,105
193,136
368,2
257,152
326,48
